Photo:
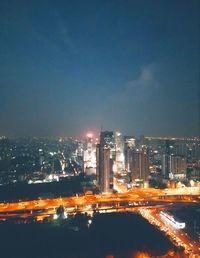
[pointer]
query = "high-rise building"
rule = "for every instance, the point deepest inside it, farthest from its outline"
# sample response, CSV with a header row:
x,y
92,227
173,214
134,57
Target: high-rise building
x,y
167,150
194,171
193,151
129,142
107,139
129,145
165,165
41,158
167,147
180,148
139,165
104,169
177,167
89,154
80,149
119,149
104,158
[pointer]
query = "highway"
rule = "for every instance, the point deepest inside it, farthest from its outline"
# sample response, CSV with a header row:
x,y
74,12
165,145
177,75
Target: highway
x,y
135,197
148,202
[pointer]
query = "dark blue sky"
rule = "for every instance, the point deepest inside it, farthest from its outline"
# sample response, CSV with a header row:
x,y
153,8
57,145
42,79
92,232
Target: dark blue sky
x,y
69,66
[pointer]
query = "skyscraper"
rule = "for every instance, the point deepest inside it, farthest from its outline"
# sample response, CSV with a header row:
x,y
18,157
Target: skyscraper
x,y
104,169
139,165
166,159
178,167
165,165
89,154
119,149
105,161
129,145
107,139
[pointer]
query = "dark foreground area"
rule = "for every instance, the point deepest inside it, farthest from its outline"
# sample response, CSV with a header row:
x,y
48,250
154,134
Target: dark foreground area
x,y
116,234
17,191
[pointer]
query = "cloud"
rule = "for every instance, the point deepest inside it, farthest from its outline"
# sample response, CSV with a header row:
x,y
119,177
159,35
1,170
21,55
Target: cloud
x,y
154,103
145,78
138,90
63,30
130,107
58,37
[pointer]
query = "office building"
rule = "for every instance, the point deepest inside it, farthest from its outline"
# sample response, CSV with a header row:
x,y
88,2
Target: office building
x,y
107,139
89,154
177,166
119,149
129,145
165,165
105,160
139,165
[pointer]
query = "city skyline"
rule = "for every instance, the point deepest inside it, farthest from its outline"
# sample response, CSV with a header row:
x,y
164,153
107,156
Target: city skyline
x,y
67,67
57,189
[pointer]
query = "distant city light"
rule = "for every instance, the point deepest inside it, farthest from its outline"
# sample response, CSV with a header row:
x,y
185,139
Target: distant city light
x,y
192,183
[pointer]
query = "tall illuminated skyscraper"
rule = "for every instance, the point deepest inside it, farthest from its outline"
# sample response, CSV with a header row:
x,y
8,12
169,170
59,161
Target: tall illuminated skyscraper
x,y
104,169
119,149
89,154
129,145
105,162
165,159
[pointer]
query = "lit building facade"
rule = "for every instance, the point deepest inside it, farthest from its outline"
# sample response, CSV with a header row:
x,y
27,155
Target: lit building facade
x,y
165,165
119,148
104,159
139,166
89,155
129,145
178,167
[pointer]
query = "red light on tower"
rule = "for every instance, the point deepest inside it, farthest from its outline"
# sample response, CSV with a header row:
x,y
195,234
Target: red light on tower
x,y
89,135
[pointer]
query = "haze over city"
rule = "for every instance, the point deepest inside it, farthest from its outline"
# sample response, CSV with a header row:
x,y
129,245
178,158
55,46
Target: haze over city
x,y
69,66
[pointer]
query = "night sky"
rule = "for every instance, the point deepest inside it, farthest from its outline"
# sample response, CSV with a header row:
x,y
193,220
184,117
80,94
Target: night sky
x,y
71,66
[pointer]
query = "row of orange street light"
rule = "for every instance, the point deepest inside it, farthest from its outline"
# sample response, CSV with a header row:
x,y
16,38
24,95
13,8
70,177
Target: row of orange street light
x,y
136,195
46,207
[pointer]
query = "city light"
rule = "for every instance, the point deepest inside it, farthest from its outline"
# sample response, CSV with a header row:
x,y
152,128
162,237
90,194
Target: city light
x,y
99,129
90,135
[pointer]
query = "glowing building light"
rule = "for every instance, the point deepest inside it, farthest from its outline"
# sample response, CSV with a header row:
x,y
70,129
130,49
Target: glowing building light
x,y
191,182
122,158
55,216
114,168
89,135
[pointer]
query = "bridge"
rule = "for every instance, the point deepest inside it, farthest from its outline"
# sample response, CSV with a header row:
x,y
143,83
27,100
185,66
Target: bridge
x,y
138,197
